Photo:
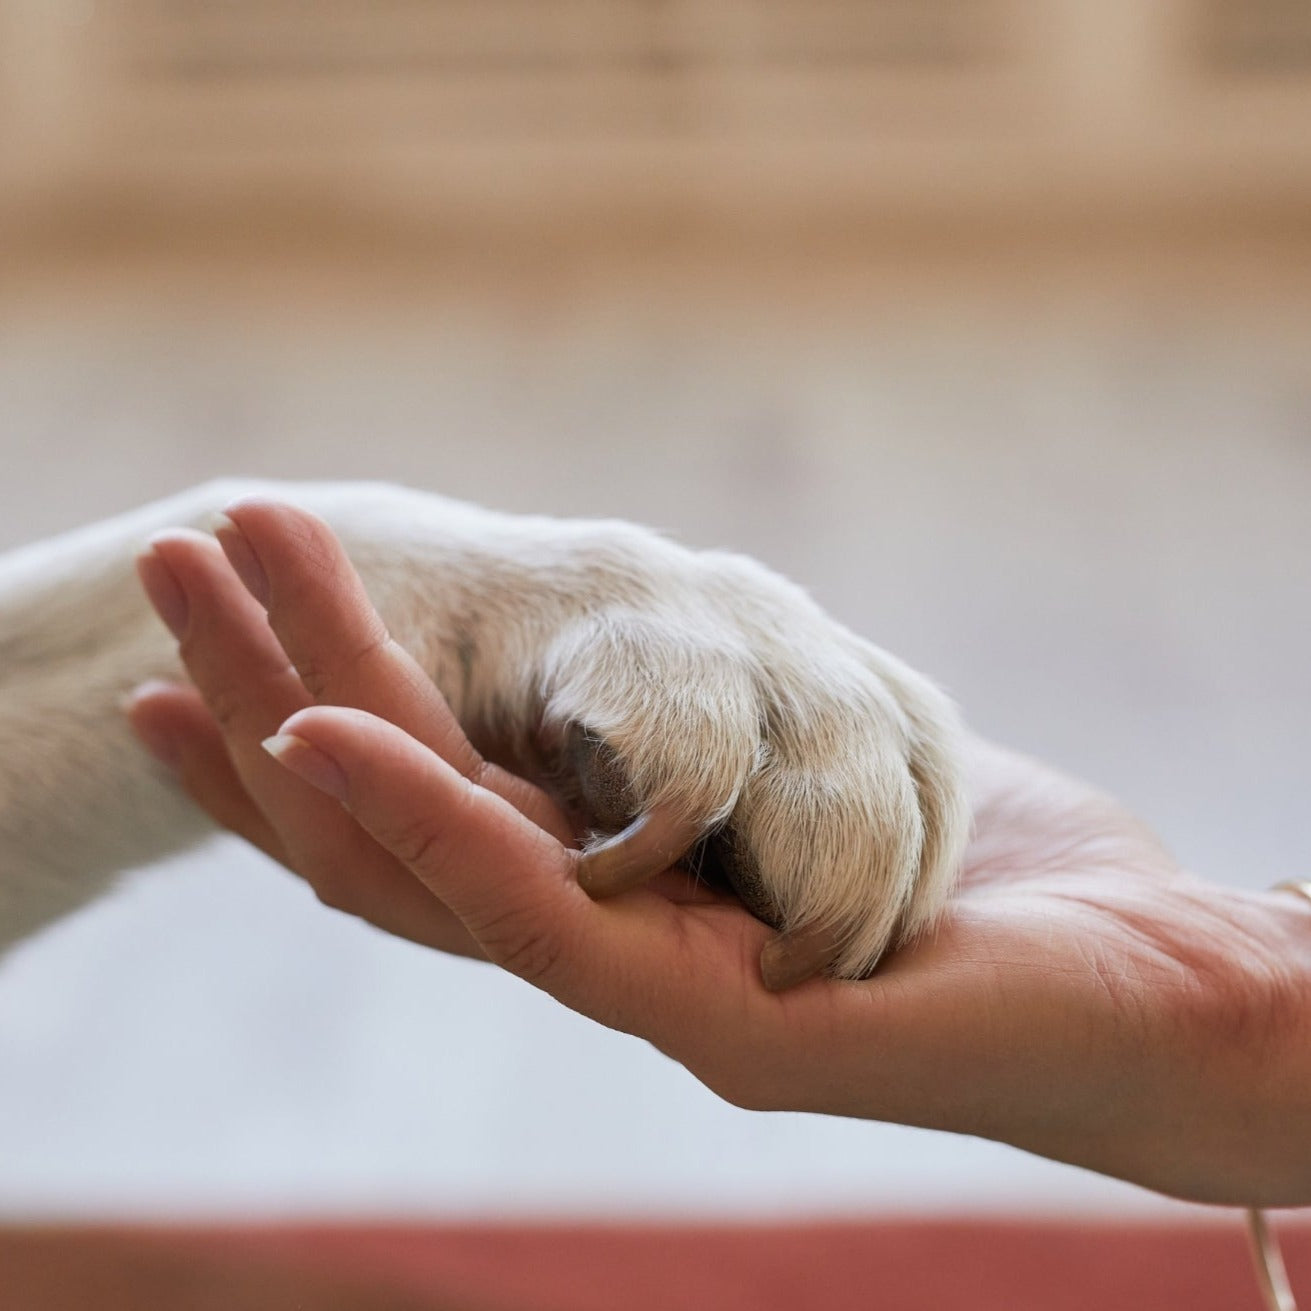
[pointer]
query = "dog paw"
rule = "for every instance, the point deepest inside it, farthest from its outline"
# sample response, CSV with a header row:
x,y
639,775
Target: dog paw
x,y
687,705
709,704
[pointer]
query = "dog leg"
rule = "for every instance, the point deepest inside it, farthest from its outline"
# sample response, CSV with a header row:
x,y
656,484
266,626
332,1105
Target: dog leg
x,y
673,694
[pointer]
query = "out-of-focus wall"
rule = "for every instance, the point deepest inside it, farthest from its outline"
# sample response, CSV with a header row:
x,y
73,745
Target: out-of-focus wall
x,y
989,322
467,110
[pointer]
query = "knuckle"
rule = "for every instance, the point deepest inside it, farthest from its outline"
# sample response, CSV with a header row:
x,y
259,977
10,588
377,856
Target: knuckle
x,y
320,676
377,643
226,703
418,844
515,942
534,957
316,677
236,702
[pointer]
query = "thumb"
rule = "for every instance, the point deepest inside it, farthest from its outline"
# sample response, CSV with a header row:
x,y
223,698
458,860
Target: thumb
x,y
687,982
511,884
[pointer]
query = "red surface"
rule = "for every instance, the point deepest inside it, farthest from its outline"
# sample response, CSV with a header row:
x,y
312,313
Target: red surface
x,y
852,1266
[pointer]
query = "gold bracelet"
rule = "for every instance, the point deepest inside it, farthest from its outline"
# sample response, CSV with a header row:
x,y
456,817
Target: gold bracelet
x,y
1266,1255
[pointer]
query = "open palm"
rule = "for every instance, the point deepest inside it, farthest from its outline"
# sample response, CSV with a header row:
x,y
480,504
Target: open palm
x,y
1082,997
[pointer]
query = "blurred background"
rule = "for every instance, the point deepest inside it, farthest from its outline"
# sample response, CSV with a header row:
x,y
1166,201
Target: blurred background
x,y
989,321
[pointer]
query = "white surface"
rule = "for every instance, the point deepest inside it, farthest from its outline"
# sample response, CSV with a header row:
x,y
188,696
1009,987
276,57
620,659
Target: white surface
x,y
215,1042
1098,537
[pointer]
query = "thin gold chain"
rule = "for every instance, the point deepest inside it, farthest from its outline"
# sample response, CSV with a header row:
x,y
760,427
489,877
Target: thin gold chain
x,y
1269,1261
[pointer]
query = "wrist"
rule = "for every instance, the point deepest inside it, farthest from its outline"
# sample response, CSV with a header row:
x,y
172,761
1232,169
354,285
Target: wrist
x,y
1258,1149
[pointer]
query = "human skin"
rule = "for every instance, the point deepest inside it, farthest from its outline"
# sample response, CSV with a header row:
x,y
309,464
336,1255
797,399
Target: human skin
x,y
1083,997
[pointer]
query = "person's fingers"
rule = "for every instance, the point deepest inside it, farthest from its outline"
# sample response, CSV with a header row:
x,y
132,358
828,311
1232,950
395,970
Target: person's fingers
x,y
680,975
234,661
510,883
292,564
174,723
244,677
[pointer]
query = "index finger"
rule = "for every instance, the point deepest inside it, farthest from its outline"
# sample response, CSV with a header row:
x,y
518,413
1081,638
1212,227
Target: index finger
x,y
293,564
678,975
291,561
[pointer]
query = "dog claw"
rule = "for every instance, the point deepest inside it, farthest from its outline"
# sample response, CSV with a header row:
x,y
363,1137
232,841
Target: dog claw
x,y
652,842
794,957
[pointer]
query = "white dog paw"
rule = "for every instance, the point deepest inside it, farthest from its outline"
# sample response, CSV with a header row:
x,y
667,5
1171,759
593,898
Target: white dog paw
x,y
819,776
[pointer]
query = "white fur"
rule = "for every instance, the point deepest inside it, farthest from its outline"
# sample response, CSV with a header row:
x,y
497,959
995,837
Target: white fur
x,y
723,688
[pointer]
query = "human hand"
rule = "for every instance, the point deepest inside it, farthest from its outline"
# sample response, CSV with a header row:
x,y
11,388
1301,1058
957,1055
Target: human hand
x,y
1082,998
642,677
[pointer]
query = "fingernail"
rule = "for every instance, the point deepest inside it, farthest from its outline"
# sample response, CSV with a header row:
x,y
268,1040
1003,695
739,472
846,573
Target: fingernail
x,y
307,762
241,556
164,591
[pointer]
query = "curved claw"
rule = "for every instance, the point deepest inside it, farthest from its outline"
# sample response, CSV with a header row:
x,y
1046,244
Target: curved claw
x,y
652,842
794,957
